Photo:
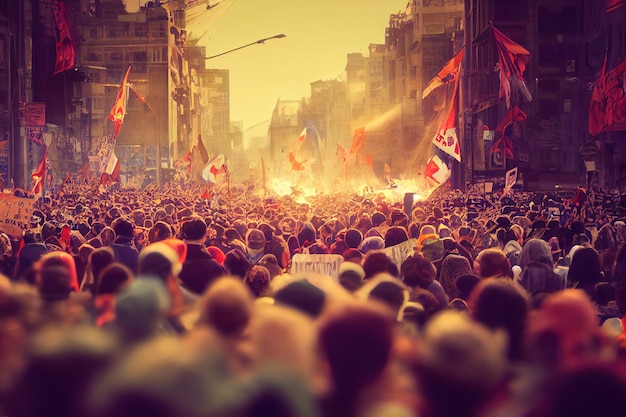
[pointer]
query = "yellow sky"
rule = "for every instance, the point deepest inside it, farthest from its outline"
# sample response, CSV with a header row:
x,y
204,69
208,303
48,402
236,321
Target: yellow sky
x,y
319,35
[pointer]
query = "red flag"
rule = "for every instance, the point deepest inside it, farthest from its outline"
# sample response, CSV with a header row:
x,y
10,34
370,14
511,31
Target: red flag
x,y
512,60
119,108
67,177
612,5
449,73
358,140
65,52
140,98
446,138
607,111
203,152
514,115
437,171
295,165
301,139
39,175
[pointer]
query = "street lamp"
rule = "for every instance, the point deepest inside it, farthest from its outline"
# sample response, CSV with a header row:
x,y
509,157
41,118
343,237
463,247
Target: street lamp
x,y
260,41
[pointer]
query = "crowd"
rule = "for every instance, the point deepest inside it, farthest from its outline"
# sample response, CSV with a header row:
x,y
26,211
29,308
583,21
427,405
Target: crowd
x,y
160,303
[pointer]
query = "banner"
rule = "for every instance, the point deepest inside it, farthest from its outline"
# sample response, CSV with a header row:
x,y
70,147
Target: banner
x,y
400,252
449,73
15,214
323,264
437,171
446,138
358,140
65,52
607,111
35,115
512,61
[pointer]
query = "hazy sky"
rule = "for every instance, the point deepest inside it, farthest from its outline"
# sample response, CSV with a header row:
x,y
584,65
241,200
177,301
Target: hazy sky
x,y
319,35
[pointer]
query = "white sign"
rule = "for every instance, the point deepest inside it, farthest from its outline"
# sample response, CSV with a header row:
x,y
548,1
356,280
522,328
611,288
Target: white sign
x,y
323,264
400,252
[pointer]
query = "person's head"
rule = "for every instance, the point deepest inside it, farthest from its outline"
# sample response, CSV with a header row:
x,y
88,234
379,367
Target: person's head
x,y
303,296
236,263
492,263
123,227
460,363
160,231
255,242
395,235
353,238
113,279
258,280
501,304
535,250
351,276
417,271
158,260
63,260
227,306
99,259
376,262
585,269
357,344
465,284
194,230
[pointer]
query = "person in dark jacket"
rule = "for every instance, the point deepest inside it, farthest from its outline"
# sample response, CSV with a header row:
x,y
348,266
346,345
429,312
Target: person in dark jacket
x,y
125,251
199,269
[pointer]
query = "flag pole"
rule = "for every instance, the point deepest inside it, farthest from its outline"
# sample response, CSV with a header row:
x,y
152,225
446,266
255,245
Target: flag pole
x,y
264,178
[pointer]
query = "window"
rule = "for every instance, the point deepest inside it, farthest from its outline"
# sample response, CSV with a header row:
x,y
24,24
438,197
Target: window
x,y
117,57
93,33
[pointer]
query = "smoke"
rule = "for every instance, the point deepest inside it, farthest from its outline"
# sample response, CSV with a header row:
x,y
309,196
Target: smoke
x,y
132,6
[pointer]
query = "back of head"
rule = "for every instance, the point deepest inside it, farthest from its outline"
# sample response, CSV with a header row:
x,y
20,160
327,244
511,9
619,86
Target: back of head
x,y
140,307
113,279
123,226
258,280
226,306
376,262
53,283
303,296
395,235
417,271
194,228
357,343
236,263
160,231
493,263
535,250
158,260
100,258
501,304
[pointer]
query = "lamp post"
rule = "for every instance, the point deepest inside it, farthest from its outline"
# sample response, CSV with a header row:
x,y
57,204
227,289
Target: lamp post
x,y
260,41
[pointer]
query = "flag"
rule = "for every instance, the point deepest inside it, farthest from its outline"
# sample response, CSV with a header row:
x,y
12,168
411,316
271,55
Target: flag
x,y
119,108
437,171
607,111
612,5
39,175
514,115
449,73
140,98
512,60
296,165
65,51
510,180
446,138
111,164
67,178
358,140
203,152
213,171
341,152
301,139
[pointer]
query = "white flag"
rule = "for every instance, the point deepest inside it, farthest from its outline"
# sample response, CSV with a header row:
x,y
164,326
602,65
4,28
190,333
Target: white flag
x,y
437,171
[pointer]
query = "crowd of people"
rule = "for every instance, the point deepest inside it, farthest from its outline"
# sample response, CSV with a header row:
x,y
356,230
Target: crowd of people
x,y
162,303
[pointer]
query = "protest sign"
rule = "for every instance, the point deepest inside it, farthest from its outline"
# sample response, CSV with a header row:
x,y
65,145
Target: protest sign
x,y
15,214
323,264
398,253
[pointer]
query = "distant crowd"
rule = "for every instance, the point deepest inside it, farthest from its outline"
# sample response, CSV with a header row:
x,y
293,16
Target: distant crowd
x,y
165,303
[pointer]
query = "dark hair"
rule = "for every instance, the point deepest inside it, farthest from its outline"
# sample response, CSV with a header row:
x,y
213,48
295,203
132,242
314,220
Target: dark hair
x,y
112,279
376,262
417,271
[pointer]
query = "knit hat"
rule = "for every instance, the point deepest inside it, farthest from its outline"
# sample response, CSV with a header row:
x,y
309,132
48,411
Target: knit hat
x,y
303,296
433,249
371,243
194,228
217,254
